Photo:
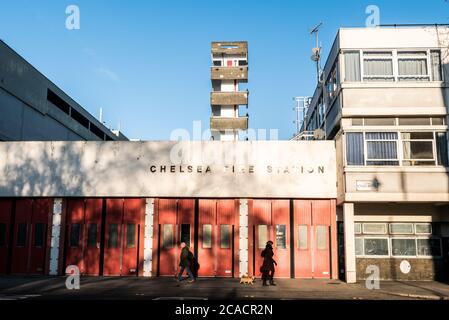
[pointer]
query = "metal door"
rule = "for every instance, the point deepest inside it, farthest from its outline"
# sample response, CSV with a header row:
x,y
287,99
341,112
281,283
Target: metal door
x,y
92,236
22,233
75,233
262,231
207,238
281,231
113,237
224,245
133,228
5,226
39,236
303,234
168,250
321,238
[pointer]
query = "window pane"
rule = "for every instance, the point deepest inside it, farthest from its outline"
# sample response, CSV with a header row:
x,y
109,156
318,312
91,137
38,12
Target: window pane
x,y
429,247
414,121
401,228
225,236
442,149
2,234
262,232
113,236
412,67
281,236
378,67
357,228
436,65
92,235
39,232
438,121
376,247
419,150
423,228
21,234
374,228
357,121
354,149
380,121
381,136
167,236
130,235
359,246
352,66
403,247
207,236
185,234
321,237
75,235
303,235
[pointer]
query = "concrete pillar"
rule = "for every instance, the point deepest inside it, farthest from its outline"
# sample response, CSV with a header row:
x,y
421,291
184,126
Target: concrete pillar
x,y
148,239
350,265
55,237
243,231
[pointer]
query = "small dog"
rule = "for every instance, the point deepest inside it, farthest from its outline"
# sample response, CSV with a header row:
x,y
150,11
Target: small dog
x,y
246,279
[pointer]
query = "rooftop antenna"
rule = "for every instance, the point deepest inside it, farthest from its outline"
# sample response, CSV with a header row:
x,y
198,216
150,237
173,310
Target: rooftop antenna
x,y
316,51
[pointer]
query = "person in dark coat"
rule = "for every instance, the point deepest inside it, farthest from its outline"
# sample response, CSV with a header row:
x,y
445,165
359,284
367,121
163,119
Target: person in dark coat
x,y
268,264
184,262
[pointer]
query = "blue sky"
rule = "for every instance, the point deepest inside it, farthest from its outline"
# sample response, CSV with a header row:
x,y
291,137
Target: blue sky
x,y
146,63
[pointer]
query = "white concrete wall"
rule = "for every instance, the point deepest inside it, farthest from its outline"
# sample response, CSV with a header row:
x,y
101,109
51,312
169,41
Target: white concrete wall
x,y
289,169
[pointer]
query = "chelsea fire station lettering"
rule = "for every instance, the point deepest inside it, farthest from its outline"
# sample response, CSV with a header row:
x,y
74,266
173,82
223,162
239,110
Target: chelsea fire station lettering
x,y
238,169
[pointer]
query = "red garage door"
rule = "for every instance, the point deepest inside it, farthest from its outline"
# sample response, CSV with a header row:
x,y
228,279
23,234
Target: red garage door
x,y
124,232
313,225
269,220
175,224
5,226
84,231
31,236
218,238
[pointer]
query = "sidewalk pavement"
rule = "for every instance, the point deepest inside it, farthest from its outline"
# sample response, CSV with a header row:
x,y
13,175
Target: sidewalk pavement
x,y
132,288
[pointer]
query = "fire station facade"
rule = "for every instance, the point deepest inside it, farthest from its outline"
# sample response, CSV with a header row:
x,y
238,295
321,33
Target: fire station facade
x,y
122,208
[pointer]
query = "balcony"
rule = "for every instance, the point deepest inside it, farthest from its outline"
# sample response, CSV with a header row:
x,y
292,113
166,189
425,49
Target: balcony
x,y
222,124
218,98
234,47
229,73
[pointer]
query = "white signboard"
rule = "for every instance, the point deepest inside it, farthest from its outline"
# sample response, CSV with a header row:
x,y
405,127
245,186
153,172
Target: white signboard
x,y
278,169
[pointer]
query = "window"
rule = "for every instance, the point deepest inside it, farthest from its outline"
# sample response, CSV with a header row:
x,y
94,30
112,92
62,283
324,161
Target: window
x,y
381,148
412,66
130,235
423,228
92,235
21,234
379,121
418,148
167,236
75,231
321,237
58,102
375,247
435,57
2,234
357,228
262,232
113,236
359,246
429,247
352,66
303,236
441,142
39,234
281,236
403,247
375,228
355,149
414,121
401,228
332,83
378,66
185,234
207,236
217,63
225,236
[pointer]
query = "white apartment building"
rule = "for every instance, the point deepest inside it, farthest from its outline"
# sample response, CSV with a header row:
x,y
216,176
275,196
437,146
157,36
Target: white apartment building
x,y
384,101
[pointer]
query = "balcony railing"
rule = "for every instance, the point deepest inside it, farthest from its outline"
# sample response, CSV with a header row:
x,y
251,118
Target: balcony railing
x,y
222,124
219,98
229,73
